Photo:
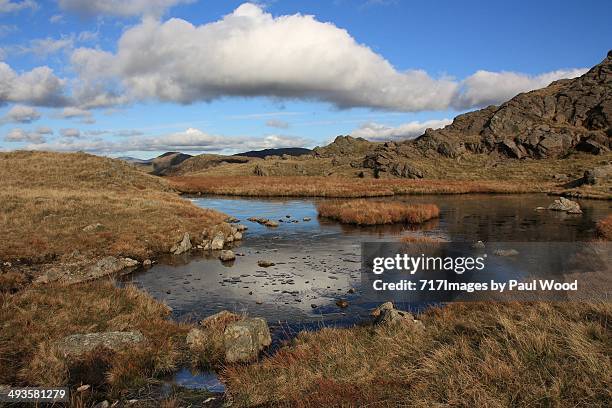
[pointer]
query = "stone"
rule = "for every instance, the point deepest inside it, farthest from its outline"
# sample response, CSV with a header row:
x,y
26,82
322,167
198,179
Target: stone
x,y
227,256
219,318
387,315
506,252
271,223
183,246
237,236
598,175
77,345
265,264
93,227
244,339
147,263
478,245
217,242
342,303
306,219
109,265
564,204
241,228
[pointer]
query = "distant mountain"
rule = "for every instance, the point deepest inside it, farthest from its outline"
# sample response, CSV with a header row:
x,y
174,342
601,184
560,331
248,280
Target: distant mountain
x,y
167,160
290,151
133,160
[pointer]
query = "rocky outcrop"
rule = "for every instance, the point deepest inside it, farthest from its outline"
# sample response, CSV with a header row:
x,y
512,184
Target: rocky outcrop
x,y
568,115
388,160
344,146
168,160
77,345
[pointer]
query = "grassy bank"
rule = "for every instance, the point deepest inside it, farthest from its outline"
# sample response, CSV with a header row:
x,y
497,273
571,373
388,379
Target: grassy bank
x,y
55,207
341,187
362,212
494,355
35,319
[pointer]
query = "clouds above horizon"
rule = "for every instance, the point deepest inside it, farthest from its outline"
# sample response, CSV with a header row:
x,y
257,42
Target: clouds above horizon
x,y
121,8
190,140
251,53
377,132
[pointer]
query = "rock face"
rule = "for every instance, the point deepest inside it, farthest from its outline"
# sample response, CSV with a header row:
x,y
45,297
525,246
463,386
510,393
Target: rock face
x,y
78,344
563,204
344,146
244,339
389,160
568,115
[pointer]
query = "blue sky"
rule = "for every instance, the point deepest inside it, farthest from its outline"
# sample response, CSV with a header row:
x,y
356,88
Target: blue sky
x,y
138,77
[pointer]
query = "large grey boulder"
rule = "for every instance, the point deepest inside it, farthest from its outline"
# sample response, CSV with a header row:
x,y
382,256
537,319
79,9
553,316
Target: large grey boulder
x,y
77,345
244,339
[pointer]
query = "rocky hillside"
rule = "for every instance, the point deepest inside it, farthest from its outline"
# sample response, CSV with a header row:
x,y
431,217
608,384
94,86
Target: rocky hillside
x,y
570,115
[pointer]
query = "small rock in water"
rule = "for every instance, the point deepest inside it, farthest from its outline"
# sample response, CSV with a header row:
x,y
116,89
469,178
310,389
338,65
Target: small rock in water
x,y
341,303
265,264
506,252
288,216
563,204
313,306
183,246
478,245
352,290
147,263
306,219
226,256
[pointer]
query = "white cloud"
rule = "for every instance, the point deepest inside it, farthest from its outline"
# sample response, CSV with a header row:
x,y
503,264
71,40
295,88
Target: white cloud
x,y
56,18
122,8
36,137
73,112
70,132
378,132
277,123
20,114
8,6
43,47
190,140
491,88
251,53
38,87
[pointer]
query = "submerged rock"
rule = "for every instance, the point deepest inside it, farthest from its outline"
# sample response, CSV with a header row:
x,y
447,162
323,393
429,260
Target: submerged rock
x,y
265,264
341,303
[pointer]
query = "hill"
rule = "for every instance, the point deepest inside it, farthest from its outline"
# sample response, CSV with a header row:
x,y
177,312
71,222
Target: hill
x,y
289,151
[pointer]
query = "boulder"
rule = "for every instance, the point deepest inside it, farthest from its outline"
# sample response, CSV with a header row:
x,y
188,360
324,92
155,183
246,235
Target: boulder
x,y
265,264
598,175
244,339
78,344
227,255
217,242
110,265
564,204
183,246
387,315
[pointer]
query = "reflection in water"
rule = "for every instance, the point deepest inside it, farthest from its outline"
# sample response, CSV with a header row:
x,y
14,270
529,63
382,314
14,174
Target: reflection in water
x,y
318,261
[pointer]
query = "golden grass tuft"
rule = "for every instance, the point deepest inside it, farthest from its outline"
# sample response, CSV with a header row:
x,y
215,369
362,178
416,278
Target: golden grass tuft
x,y
478,354
36,318
297,186
364,212
604,227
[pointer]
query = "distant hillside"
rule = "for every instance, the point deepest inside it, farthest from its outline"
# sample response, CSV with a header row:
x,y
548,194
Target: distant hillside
x,y
290,151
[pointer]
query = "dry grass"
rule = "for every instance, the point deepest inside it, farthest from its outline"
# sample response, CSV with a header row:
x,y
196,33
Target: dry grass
x,y
493,355
34,319
341,187
46,199
362,212
604,227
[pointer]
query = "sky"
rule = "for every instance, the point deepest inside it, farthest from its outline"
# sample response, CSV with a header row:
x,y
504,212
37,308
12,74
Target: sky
x,y
142,77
